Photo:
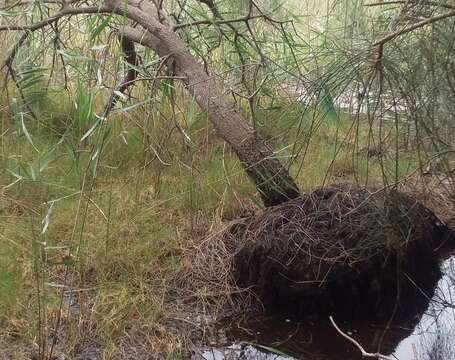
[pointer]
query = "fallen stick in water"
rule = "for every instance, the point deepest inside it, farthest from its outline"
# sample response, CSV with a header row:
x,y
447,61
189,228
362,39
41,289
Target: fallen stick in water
x,y
362,350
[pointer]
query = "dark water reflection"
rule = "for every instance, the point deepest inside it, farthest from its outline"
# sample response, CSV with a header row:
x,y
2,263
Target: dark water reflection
x,y
427,336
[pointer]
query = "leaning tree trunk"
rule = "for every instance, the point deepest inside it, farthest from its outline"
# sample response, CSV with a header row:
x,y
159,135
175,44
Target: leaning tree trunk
x,y
271,178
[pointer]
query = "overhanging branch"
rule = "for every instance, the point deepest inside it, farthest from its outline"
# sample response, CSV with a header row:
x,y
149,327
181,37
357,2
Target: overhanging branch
x,y
66,11
414,27
28,29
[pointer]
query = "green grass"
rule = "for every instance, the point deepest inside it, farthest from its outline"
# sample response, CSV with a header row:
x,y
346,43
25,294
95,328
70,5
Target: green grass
x,y
10,280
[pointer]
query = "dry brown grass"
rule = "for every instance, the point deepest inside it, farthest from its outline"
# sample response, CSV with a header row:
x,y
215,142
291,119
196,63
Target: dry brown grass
x,y
436,192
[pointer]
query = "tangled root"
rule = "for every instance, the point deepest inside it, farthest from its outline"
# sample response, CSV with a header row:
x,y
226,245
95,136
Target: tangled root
x,y
338,250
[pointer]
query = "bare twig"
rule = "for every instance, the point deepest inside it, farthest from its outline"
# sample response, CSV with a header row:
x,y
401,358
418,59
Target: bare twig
x,y
362,350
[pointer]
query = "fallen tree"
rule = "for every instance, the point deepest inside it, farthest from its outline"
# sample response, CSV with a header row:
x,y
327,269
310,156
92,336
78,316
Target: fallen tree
x,y
337,248
157,32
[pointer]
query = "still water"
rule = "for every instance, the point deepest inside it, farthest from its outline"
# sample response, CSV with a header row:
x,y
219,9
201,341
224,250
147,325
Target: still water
x,y
429,335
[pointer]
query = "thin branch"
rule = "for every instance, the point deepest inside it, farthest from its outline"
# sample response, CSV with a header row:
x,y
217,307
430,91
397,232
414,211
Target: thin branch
x,y
217,22
10,57
251,98
414,27
217,15
237,34
211,5
266,16
404,2
362,350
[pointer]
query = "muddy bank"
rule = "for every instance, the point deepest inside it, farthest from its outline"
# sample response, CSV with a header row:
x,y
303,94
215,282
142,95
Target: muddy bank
x,y
343,251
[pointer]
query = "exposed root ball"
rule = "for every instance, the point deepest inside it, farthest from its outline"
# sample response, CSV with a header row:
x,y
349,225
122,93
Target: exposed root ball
x,y
340,250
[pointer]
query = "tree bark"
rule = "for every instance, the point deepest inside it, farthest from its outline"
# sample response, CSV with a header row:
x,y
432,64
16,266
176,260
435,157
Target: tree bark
x,y
271,178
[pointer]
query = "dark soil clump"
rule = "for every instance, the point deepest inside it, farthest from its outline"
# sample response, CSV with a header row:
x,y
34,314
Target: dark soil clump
x,y
341,250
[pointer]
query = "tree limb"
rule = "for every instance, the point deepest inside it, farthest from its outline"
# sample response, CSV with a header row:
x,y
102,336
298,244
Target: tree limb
x,y
28,29
131,59
64,12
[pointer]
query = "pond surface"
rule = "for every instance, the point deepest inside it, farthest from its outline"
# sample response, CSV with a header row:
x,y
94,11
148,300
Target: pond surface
x,y
426,336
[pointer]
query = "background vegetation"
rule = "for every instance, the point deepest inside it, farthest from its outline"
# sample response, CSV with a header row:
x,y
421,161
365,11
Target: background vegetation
x,y
95,213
